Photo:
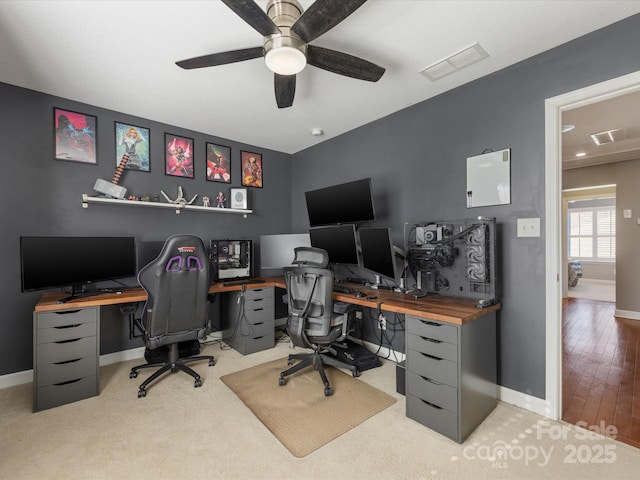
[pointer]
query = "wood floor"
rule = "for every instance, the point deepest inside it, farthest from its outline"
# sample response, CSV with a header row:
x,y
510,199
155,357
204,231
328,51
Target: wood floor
x,y
601,368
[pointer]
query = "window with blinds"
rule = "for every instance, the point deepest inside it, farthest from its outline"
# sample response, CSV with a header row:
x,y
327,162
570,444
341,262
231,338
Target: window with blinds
x,y
592,233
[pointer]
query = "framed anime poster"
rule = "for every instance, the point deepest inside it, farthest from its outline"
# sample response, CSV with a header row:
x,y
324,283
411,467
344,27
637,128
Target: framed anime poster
x,y
251,164
218,163
178,156
134,141
75,136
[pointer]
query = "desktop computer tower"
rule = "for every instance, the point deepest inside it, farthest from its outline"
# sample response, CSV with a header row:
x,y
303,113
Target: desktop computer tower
x,y
231,259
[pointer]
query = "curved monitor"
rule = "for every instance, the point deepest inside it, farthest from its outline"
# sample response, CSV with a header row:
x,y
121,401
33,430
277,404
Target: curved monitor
x,y
53,262
339,241
378,254
350,202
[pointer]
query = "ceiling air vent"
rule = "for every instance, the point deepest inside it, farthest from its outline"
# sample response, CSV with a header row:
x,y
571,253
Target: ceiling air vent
x,y
616,135
457,61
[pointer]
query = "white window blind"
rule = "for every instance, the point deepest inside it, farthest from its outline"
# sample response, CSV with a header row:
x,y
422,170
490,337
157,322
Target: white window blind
x,y
592,233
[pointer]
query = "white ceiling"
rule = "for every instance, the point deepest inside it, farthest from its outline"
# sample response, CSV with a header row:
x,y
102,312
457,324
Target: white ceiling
x,y
120,55
618,113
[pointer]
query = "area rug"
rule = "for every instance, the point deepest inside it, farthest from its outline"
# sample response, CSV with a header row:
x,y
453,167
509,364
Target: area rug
x,y
298,413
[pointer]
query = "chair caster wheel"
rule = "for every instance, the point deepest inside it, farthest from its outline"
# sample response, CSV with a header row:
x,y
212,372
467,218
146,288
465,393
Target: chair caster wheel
x,y
355,373
289,361
328,391
133,374
281,381
197,383
142,393
212,362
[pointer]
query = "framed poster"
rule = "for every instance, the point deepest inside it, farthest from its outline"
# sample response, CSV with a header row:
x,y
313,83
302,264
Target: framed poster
x,y
218,163
252,173
178,156
75,136
134,141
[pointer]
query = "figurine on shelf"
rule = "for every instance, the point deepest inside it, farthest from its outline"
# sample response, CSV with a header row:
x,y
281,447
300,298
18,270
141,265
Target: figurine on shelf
x,y
206,202
220,199
180,200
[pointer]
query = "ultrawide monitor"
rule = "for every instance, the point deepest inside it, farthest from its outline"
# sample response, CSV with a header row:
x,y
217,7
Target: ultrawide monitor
x,y
53,262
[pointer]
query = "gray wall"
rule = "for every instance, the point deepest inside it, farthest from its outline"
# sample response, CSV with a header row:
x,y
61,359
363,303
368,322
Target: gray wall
x,y
625,176
416,158
42,196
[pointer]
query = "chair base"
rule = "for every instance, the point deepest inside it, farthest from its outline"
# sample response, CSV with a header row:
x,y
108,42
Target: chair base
x,y
319,359
173,365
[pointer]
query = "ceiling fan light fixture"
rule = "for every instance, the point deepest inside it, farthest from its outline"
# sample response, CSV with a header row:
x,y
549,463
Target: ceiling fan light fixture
x,y
285,60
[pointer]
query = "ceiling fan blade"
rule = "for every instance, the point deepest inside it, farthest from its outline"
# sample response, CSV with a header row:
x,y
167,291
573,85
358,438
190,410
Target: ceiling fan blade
x,y
251,13
222,58
323,15
343,64
285,87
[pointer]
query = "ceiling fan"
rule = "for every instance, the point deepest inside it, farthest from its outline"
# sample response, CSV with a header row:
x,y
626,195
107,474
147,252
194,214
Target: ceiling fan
x,y
287,31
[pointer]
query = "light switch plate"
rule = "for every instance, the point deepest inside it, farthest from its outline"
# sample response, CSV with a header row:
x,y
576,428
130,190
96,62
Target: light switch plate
x,y
626,213
528,227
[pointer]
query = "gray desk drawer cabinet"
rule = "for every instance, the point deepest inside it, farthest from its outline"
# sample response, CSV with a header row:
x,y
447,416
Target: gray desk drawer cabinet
x,y
248,319
65,356
451,374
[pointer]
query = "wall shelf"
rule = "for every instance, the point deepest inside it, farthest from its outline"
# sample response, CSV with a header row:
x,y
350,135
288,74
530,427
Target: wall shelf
x,y
86,200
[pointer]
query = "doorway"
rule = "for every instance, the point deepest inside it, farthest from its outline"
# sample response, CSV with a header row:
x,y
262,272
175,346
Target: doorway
x,y
589,241
555,272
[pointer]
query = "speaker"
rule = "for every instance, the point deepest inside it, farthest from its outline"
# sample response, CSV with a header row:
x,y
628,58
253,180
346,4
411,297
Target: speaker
x,y
239,198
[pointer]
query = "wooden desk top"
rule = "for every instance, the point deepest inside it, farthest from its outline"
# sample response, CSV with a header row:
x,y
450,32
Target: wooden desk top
x,y
49,301
453,310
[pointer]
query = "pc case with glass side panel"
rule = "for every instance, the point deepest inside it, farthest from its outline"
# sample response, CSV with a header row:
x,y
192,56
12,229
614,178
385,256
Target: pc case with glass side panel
x,y
454,258
231,259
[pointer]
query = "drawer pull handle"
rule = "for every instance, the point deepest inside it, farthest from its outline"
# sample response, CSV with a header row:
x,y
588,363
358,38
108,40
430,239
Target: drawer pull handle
x,y
69,341
431,404
258,299
259,323
258,338
67,382
433,324
430,381
431,356
75,325
432,340
68,361
67,312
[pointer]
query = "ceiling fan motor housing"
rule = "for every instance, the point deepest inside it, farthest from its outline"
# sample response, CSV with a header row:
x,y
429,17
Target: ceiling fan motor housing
x,y
284,14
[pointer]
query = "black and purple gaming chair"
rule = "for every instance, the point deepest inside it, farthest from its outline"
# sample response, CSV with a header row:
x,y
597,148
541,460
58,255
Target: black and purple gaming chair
x,y
177,308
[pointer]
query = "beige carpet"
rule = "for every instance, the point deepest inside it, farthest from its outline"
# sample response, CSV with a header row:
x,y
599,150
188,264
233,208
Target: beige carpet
x,y
298,413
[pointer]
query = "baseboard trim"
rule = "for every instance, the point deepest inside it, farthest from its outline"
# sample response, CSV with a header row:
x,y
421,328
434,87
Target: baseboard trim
x,y
525,401
627,314
26,376
506,395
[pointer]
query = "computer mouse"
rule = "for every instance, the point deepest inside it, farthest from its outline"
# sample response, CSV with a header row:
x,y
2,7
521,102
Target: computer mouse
x,y
359,294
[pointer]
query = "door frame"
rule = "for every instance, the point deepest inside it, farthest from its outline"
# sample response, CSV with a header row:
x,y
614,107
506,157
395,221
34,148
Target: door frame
x,y
555,275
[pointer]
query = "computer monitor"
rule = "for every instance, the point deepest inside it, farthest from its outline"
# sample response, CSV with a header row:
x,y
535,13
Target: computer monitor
x,y
378,254
350,202
54,262
277,251
339,241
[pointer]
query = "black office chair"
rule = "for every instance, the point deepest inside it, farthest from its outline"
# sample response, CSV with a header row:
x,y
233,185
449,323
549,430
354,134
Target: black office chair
x,y
177,308
315,321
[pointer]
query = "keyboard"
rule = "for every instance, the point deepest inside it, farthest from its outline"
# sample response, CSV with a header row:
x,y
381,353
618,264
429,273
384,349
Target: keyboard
x,y
342,289
244,281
